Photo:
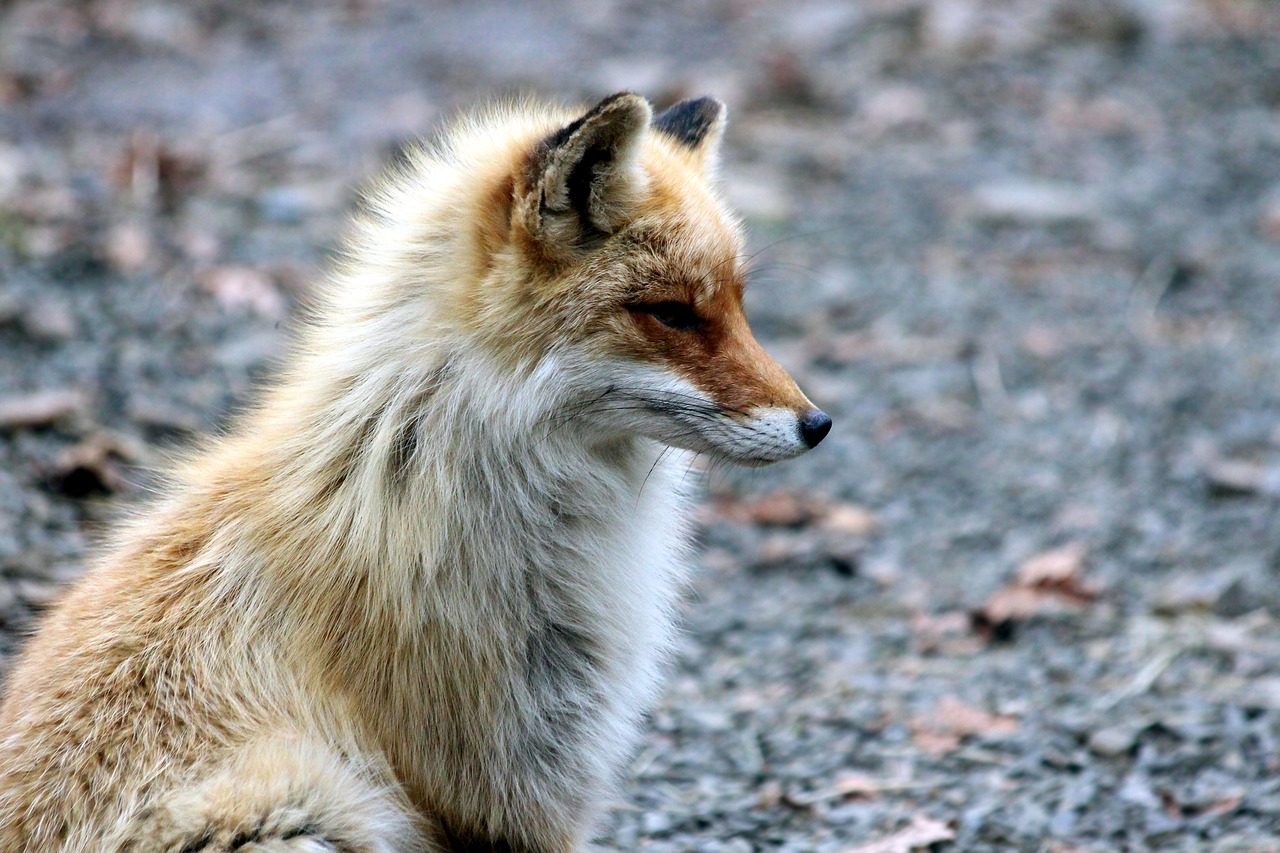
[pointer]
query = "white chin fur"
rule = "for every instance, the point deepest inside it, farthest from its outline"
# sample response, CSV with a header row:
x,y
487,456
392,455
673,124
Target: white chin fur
x,y
638,399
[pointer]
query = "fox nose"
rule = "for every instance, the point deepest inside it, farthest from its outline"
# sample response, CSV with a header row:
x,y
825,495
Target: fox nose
x,y
814,426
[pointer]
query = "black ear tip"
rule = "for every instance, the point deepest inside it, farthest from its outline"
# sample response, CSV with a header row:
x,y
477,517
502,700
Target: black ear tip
x,y
690,121
704,103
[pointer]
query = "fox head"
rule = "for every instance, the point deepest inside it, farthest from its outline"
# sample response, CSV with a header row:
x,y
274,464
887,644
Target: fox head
x,y
604,250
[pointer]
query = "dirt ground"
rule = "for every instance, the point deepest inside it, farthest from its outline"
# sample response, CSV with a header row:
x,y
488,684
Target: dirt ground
x,y
1026,253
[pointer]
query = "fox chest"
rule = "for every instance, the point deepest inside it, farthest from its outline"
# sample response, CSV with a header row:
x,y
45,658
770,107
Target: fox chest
x,y
582,615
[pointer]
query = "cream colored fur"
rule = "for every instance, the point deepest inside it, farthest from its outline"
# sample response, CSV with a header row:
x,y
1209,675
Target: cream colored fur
x,y
419,597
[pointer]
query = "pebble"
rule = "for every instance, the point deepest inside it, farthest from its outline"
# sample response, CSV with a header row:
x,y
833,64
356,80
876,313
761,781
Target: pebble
x,y
284,205
1269,216
895,107
655,823
1250,589
1241,478
1113,741
1034,203
128,247
34,593
1193,590
41,408
50,320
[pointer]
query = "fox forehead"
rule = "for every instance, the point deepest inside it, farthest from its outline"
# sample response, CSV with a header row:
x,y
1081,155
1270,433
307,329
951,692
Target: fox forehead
x,y
686,209
683,242
679,242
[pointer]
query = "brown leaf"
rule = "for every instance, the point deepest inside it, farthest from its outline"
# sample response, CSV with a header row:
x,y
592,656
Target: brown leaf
x,y
779,509
1225,805
1269,217
935,742
848,520
786,509
769,794
967,719
850,784
148,167
920,833
1020,603
853,784
96,465
1059,567
245,287
952,721
780,549
947,632
1047,583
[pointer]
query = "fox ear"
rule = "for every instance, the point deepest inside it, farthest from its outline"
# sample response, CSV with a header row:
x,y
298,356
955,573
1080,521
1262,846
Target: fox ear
x,y
698,124
585,177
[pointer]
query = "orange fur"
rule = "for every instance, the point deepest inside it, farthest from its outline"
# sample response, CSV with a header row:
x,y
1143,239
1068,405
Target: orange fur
x,y
418,598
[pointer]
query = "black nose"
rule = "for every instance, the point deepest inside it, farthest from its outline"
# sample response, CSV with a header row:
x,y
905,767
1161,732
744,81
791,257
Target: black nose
x,y
814,426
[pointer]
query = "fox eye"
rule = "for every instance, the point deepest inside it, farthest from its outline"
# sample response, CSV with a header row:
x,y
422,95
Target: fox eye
x,y
673,315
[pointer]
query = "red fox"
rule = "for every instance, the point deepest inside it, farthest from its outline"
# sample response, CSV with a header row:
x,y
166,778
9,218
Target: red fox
x,y
419,597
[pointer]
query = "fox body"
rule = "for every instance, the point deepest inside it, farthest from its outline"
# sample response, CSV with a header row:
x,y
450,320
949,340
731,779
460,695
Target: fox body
x,y
418,598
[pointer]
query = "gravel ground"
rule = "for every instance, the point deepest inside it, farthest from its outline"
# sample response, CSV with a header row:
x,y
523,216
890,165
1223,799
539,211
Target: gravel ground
x,y
1027,253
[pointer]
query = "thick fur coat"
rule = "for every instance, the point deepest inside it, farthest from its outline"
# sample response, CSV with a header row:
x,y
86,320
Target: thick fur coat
x,y
419,596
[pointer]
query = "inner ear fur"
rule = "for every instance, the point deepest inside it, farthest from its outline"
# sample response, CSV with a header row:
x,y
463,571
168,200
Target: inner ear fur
x,y
585,178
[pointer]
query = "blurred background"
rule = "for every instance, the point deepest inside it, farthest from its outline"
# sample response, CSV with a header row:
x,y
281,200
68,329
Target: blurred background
x,y
1026,252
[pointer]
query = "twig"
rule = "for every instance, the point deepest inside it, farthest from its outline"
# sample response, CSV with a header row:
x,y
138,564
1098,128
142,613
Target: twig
x,y
989,381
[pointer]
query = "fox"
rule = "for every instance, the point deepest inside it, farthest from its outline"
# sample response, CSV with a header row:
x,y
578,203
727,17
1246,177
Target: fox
x,y
419,595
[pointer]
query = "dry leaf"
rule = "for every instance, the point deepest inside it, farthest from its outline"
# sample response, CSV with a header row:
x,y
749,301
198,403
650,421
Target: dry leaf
x,y
769,794
245,287
922,832
936,742
785,509
852,784
1269,217
779,509
848,520
847,784
1226,805
148,167
967,719
953,720
1058,567
96,465
782,548
947,632
1049,582
1020,603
